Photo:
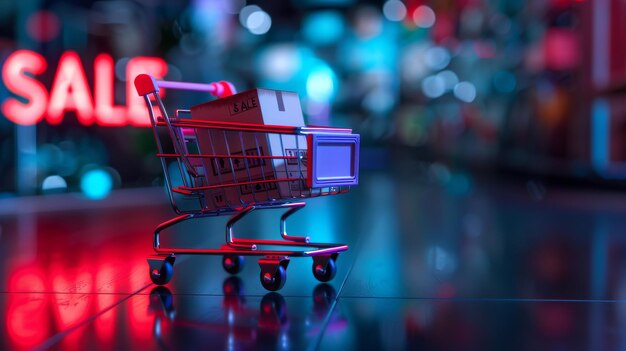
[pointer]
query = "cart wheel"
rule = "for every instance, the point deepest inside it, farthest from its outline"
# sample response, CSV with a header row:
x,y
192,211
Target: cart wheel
x,y
274,281
323,297
233,264
232,286
273,310
161,297
233,291
325,274
164,275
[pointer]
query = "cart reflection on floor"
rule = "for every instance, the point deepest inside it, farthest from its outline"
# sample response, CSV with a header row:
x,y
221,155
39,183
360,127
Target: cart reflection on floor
x,y
245,325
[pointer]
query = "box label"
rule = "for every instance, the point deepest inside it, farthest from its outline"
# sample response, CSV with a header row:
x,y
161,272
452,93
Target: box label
x,y
222,165
258,187
243,105
300,154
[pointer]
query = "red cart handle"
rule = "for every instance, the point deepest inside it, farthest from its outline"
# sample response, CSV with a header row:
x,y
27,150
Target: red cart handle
x,y
146,84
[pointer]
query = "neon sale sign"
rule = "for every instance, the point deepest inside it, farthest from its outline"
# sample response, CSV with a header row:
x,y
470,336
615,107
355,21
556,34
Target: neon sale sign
x,y
70,91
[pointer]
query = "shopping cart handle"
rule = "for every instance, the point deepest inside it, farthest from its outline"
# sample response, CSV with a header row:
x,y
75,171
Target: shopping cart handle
x,y
146,84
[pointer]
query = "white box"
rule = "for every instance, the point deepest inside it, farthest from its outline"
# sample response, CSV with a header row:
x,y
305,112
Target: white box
x,y
260,107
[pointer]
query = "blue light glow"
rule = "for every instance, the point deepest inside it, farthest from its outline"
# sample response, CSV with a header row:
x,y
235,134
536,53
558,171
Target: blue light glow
x,y
433,86
280,62
320,85
394,10
437,57
465,91
255,19
53,183
96,184
600,134
323,27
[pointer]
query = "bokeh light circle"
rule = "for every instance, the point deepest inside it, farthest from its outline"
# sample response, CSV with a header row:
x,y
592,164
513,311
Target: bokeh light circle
x,y
246,12
320,85
53,183
424,17
255,19
433,86
394,10
259,22
465,91
96,184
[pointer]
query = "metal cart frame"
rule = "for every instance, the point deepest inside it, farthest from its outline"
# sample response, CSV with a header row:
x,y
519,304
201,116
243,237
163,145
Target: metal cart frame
x,y
273,263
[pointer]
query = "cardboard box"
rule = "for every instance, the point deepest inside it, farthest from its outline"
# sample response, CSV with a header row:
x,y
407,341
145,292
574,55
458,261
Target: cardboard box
x,y
256,106
261,107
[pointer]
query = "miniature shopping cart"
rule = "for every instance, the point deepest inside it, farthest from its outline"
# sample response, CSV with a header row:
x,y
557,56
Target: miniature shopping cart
x,y
214,168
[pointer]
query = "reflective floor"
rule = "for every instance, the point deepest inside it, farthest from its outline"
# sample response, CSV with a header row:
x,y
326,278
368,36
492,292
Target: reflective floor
x,y
438,259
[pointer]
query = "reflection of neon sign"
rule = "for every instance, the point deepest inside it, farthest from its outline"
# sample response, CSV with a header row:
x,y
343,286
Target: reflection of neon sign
x,y
81,287
71,92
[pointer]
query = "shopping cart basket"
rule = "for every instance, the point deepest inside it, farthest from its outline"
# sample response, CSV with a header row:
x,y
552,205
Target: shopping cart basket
x,y
202,178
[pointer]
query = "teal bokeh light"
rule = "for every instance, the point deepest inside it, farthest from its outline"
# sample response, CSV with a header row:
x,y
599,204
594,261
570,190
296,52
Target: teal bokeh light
x,y
323,27
296,68
96,184
321,84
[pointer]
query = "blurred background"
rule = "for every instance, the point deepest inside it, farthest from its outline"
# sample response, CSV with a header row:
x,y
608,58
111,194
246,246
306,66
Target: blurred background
x,y
525,87
473,114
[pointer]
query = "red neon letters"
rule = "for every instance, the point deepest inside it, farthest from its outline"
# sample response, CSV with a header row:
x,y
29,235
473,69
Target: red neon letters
x,y
15,79
71,92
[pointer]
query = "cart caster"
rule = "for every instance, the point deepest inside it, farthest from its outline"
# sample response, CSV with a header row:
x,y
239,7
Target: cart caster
x,y
233,264
324,267
273,311
323,297
232,286
273,272
233,291
274,281
161,299
161,269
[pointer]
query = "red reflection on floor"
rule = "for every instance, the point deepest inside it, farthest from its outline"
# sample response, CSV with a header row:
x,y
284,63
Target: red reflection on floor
x,y
105,325
140,323
71,308
65,268
25,318
31,318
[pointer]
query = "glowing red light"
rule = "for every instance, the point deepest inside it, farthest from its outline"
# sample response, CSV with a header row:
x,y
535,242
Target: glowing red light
x,y
26,319
444,27
43,26
71,308
105,323
70,91
139,318
14,75
562,49
80,287
26,322
27,280
107,114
